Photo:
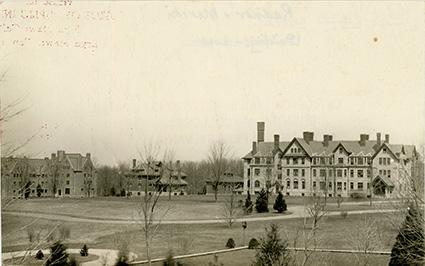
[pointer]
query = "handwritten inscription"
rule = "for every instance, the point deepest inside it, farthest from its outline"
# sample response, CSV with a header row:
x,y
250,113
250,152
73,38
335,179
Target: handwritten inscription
x,y
47,23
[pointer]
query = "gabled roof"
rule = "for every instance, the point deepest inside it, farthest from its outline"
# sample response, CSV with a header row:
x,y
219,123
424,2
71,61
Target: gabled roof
x,y
389,147
266,149
228,179
302,143
76,161
385,180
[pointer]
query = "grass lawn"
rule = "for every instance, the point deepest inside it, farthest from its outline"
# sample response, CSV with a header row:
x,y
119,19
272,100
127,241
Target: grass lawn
x,y
187,239
194,207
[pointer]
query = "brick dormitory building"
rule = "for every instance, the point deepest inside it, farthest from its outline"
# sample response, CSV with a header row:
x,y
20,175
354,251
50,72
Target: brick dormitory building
x,y
62,175
337,168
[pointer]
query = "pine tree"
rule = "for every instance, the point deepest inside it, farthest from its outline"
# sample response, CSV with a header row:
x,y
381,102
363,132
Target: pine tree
x,y
262,202
248,204
271,249
409,248
280,203
58,255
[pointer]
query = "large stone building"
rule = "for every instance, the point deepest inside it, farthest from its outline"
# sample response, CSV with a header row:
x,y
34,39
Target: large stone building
x,y
156,177
347,168
62,175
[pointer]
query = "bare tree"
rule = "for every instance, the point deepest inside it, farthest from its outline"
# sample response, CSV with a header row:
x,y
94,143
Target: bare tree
x,y
364,241
218,163
315,208
231,211
147,210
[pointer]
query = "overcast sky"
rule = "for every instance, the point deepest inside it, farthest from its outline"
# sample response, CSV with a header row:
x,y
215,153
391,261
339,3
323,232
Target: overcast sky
x,y
186,74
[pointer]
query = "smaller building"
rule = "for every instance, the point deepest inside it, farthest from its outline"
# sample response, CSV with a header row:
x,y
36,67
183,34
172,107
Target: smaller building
x,y
157,178
227,184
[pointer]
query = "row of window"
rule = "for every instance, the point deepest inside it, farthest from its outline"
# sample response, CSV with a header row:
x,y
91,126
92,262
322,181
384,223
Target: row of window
x,y
384,161
322,172
340,185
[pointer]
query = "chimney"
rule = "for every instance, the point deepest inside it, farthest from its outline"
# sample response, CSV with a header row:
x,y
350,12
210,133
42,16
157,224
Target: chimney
x,y
367,136
387,138
134,163
53,156
254,147
260,131
306,136
61,155
363,138
276,141
46,158
311,136
88,155
326,140
378,139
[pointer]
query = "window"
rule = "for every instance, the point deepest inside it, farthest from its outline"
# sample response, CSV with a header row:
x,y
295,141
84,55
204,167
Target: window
x,y
295,184
45,191
322,185
292,150
68,174
288,172
295,160
314,172
302,184
388,161
368,172
384,150
330,161
322,160
288,161
67,191
302,160
82,189
67,182
268,172
389,173
314,184
380,160
295,172
249,172
351,185
345,185
248,183
322,172
360,173
345,172
257,171
340,160
351,173
385,172
360,185
279,176
268,161
368,185
340,150
360,160
339,185
330,185
302,172
288,183
257,160
351,161
339,173
331,173
257,183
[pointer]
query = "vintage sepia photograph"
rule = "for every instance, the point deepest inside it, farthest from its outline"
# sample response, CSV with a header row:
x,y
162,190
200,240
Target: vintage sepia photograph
x,y
212,133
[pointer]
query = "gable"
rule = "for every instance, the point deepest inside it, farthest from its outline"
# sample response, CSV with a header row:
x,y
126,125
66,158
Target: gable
x,y
295,148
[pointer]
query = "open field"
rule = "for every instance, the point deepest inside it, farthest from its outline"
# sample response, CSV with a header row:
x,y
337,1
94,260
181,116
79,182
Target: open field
x,y
196,207
186,238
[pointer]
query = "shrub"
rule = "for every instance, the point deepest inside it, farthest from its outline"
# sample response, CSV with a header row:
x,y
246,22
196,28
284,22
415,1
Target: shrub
x,y
280,203
344,214
230,243
248,205
58,254
271,249
262,202
253,243
72,261
112,192
84,251
122,192
39,255
170,261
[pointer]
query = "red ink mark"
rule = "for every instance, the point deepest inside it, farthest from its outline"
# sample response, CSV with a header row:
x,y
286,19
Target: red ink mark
x,y
375,39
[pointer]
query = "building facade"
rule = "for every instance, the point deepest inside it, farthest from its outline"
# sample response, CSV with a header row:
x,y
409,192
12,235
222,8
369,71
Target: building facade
x,y
227,184
62,175
157,178
337,168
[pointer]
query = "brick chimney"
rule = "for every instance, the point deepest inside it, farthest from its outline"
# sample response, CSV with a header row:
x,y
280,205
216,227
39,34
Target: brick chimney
x,y
276,141
308,136
378,139
134,163
363,138
260,131
53,156
326,140
61,155
254,148
387,138
330,137
88,155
